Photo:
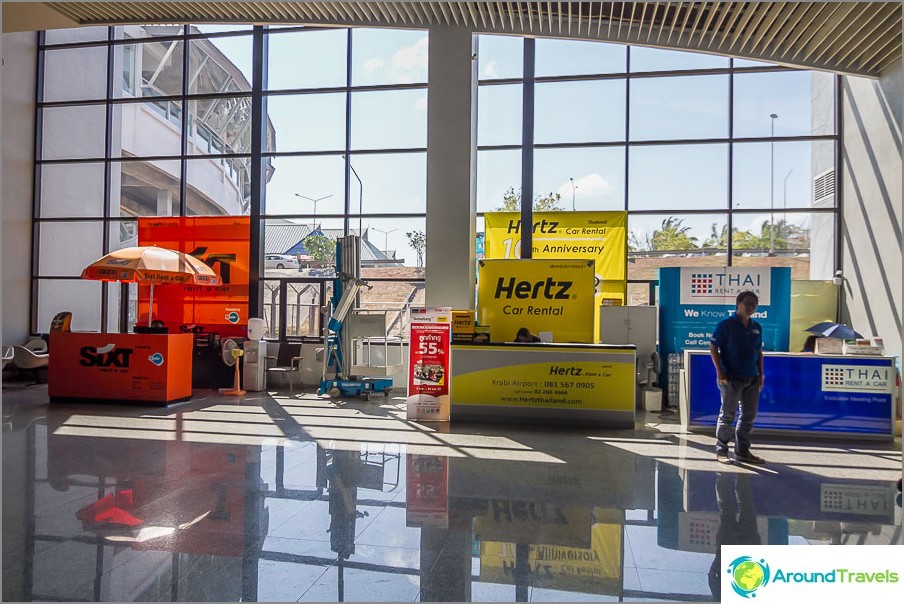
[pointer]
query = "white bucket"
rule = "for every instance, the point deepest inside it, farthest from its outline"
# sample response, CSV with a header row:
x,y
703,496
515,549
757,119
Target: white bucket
x,y
652,399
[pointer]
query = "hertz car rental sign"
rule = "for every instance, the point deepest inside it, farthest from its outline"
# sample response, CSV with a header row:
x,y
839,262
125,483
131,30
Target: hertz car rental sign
x,y
601,236
542,295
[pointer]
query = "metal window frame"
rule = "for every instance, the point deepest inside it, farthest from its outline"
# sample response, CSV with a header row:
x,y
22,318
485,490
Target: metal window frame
x,y
260,92
529,80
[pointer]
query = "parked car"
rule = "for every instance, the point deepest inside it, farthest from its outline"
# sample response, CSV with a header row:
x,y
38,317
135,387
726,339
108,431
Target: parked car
x,y
280,261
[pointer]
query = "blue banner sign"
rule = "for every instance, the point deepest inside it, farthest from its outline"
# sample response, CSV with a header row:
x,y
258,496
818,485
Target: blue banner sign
x,y
806,393
692,301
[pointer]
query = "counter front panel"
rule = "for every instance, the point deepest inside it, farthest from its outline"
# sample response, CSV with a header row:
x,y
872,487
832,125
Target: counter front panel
x,y
805,393
124,367
555,383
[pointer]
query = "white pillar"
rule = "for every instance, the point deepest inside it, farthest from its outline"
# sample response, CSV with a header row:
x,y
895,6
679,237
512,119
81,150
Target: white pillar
x,y
451,167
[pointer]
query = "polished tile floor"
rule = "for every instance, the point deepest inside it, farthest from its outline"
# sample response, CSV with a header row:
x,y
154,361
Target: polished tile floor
x,y
284,498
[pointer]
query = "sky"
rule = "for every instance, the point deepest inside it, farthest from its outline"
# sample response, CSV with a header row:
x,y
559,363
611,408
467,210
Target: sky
x,y
660,178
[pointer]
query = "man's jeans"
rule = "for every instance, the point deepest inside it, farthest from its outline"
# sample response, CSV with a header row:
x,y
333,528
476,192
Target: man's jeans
x,y
745,391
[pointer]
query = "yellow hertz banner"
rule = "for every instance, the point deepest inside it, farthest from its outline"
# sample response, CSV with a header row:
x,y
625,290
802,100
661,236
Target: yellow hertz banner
x,y
543,295
534,522
573,378
594,570
598,236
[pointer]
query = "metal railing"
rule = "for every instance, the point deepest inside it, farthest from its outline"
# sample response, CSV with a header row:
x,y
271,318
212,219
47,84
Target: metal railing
x,y
302,317
291,309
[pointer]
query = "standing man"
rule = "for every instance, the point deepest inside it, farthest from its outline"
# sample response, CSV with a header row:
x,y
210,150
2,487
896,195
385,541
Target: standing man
x,y
737,352
737,522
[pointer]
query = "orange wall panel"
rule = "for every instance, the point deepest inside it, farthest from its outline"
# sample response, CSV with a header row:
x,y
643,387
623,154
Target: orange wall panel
x,y
221,242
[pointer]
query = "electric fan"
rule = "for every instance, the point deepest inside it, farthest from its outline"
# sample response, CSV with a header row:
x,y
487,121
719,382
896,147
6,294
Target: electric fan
x,y
230,354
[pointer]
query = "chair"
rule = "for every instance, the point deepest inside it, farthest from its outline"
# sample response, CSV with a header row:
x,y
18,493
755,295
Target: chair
x,y
7,355
287,361
37,345
26,360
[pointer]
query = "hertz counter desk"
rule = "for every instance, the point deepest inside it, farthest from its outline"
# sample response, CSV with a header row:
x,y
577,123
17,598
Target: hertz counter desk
x,y
803,394
145,368
586,384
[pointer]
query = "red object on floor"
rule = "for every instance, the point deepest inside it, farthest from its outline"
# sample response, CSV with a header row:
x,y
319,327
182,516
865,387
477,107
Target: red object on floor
x,y
108,510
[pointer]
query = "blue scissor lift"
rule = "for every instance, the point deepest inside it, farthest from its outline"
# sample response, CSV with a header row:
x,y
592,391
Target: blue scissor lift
x,y
345,290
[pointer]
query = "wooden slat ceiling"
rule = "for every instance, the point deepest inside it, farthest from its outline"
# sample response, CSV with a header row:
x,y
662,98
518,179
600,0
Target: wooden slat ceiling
x,y
860,38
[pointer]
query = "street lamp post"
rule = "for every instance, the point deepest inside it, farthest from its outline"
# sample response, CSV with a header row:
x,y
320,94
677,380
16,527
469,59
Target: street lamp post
x,y
315,203
385,237
573,187
785,200
360,195
773,117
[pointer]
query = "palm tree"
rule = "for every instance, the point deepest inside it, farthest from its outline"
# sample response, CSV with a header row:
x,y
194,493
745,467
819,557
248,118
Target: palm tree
x,y
718,238
673,235
638,243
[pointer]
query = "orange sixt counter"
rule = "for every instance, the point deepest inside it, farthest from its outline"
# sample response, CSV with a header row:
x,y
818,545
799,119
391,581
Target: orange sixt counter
x,y
151,368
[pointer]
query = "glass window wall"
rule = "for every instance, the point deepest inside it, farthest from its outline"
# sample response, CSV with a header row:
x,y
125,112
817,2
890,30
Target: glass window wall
x,y
687,143
388,56
579,112
614,128
70,74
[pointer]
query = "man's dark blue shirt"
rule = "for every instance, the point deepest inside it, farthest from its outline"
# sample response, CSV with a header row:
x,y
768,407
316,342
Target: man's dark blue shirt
x,y
738,346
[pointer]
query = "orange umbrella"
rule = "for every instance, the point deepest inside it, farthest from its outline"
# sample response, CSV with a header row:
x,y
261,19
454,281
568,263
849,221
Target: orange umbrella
x,y
150,264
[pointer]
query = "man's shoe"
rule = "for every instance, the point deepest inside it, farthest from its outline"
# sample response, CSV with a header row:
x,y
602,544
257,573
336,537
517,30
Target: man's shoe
x,y
723,458
749,458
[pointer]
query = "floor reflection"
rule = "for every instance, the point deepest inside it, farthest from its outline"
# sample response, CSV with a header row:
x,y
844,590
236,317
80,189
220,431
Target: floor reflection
x,y
284,499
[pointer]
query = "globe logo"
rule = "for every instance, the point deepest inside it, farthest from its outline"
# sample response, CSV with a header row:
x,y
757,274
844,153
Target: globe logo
x,y
748,575
156,359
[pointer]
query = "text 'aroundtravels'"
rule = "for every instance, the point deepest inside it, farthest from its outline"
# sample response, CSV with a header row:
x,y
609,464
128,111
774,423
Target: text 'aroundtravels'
x,y
838,575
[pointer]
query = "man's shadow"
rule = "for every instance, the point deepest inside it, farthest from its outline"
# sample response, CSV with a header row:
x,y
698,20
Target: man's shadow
x,y
737,522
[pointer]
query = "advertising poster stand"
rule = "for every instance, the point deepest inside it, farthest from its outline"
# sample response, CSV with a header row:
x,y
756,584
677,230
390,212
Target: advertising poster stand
x,y
428,364
427,491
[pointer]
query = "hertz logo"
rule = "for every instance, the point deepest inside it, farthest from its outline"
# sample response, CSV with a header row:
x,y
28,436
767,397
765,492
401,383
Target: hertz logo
x,y
549,289
543,226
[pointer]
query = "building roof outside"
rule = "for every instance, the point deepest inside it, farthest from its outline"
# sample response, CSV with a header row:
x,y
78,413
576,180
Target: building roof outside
x,y
287,237
283,235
